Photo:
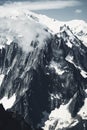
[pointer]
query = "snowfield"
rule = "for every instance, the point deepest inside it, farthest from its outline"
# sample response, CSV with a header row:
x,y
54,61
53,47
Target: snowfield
x,y
60,118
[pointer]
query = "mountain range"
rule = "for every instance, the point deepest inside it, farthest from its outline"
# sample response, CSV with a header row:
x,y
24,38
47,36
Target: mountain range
x,y
43,69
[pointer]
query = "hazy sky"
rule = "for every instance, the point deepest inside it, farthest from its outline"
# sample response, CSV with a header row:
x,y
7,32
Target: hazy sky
x,y
59,9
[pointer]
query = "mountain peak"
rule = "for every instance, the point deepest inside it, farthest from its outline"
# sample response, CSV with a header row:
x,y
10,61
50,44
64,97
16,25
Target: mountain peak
x,y
49,78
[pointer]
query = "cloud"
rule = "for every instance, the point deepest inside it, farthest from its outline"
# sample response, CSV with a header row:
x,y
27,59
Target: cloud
x,y
78,11
16,26
46,5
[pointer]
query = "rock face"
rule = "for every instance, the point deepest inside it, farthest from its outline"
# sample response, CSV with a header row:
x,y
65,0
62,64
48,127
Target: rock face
x,y
44,79
11,121
49,81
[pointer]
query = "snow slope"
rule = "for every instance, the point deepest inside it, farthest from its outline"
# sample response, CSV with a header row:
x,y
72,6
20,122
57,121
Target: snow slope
x,y
60,118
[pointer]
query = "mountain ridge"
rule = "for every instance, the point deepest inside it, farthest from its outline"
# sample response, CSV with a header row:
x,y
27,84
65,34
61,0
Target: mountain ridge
x,y
44,66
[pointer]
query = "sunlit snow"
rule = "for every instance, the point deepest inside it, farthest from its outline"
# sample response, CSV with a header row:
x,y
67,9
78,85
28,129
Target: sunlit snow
x,y
69,44
1,78
82,72
1,46
8,102
60,118
57,68
69,58
55,96
83,110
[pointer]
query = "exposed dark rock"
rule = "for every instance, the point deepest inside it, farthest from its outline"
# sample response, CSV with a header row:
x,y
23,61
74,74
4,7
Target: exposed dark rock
x,y
12,121
33,79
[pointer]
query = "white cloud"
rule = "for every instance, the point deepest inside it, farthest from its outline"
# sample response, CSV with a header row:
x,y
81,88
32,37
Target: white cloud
x,y
78,11
41,5
17,27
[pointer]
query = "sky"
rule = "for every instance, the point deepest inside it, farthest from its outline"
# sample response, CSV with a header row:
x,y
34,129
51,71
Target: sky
x,y
63,10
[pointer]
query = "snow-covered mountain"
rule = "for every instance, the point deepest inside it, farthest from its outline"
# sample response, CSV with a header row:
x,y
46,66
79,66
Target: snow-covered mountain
x,y
43,69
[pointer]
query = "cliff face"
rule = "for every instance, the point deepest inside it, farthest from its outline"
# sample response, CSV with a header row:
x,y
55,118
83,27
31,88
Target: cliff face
x,y
12,121
43,74
45,78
